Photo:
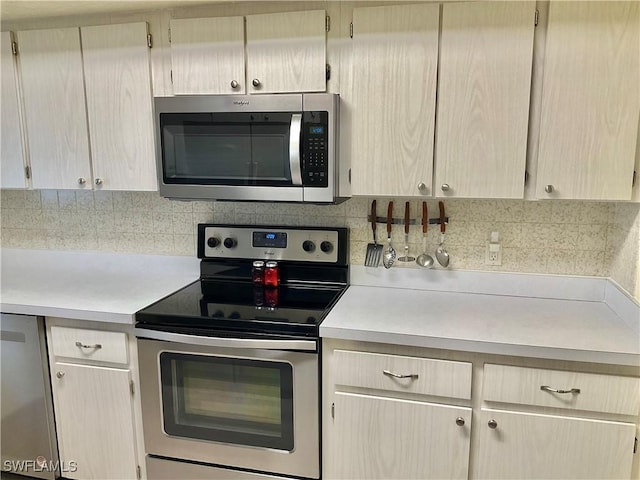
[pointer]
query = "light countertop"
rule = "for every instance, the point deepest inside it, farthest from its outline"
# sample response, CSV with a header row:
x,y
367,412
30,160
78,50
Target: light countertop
x,y
89,285
498,321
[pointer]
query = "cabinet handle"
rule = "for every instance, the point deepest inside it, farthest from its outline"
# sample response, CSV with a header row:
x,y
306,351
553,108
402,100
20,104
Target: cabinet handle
x,y
445,187
460,421
234,84
548,188
255,82
546,388
397,375
60,374
97,346
98,181
82,180
492,424
422,187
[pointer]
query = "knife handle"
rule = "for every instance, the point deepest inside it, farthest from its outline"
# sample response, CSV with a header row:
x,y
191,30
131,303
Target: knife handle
x,y
425,217
406,218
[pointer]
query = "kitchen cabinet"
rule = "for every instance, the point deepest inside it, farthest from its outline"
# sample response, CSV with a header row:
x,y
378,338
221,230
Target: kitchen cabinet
x,y
285,52
12,160
534,444
483,78
119,106
416,420
486,51
590,101
112,68
381,433
207,55
54,107
93,402
394,70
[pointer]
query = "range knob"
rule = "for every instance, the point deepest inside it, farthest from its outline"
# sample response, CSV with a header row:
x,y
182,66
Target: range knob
x,y
230,242
308,246
213,242
326,246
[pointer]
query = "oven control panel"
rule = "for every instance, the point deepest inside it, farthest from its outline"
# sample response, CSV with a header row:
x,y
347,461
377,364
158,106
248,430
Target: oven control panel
x,y
269,243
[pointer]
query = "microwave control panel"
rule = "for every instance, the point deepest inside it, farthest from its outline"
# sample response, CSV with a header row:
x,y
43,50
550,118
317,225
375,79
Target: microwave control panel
x,y
315,150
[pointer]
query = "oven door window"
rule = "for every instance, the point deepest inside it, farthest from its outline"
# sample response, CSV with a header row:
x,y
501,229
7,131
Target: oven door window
x,y
229,400
226,148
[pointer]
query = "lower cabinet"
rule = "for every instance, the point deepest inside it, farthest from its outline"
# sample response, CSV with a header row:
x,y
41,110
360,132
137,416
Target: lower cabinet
x,y
393,412
386,438
93,403
518,445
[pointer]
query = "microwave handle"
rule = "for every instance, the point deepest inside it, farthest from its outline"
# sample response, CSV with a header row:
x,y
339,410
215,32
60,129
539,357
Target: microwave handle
x,y
295,161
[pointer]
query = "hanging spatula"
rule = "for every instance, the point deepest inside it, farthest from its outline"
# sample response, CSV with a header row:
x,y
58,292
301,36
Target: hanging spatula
x,y
374,250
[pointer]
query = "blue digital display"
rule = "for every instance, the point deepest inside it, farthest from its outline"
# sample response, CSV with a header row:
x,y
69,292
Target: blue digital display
x,y
316,130
270,239
270,236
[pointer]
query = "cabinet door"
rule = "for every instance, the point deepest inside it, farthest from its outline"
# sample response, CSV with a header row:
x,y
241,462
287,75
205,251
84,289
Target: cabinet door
x,y
486,51
386,438
94,421
54,108
286,52
395,58
12,173
207,55
119,105
590,101
531,446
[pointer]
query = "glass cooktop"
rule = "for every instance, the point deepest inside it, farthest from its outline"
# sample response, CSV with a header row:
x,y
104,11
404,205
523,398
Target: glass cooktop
x,y
209,307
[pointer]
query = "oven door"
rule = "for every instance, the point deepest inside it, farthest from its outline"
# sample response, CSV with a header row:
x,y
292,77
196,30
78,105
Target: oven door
x,y
241,403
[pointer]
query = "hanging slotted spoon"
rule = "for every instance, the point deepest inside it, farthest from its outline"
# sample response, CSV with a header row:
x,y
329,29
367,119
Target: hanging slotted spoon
x,y
441,254
390,253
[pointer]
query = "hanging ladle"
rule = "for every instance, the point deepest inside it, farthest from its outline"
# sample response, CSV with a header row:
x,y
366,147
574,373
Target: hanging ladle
x,y
441,254
424,259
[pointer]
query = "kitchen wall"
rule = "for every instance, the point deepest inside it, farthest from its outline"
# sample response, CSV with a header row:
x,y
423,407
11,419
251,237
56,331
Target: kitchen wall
x,y
559,237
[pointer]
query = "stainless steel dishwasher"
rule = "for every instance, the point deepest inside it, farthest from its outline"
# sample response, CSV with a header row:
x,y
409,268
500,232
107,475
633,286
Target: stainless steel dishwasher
x,y
28,433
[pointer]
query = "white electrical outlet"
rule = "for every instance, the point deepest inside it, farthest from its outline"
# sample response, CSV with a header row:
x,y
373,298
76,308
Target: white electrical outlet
x,y
493,254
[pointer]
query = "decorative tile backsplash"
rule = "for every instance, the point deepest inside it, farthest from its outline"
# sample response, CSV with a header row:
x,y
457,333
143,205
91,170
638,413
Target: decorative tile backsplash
x,y
560,237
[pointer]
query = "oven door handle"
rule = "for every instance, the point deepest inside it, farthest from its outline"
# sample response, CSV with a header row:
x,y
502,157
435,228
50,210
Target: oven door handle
x,y
295,161
305,345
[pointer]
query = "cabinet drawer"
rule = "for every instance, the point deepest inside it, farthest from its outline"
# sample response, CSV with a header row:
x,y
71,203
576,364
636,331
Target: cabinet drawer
x,y
95,345
403,374
597,393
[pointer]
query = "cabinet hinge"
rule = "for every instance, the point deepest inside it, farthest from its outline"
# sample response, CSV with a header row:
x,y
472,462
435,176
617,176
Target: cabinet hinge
x,y
635,445
633,179
349,175
526,177
171,76
138,472
536,17
328,72
169,35
327,23
132,387
14,48
333,410
27,171
351,30
149,40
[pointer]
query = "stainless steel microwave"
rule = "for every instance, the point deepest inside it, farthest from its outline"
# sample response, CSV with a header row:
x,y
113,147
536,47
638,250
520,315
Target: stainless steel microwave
x,y
274,148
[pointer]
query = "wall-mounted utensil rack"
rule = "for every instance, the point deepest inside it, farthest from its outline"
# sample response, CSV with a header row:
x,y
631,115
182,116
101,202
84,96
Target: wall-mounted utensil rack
x,y
412,221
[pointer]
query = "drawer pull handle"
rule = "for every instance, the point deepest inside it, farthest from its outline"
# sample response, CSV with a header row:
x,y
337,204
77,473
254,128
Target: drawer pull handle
x,y
555,390
97,346
397,375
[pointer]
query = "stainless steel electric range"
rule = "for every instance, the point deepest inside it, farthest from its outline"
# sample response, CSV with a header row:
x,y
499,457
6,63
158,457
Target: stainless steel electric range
x,y
230,365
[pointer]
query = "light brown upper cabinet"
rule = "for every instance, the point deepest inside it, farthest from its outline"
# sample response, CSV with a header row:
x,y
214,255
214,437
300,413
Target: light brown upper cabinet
x,y
12,164
486,51
590,101
54,108
483,82
113,65
394,62
207,55
285,52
